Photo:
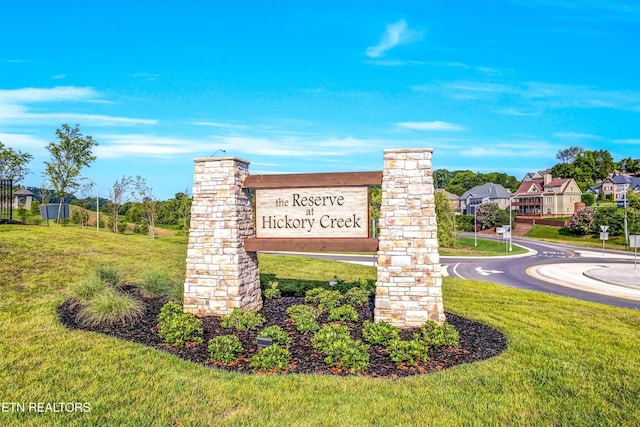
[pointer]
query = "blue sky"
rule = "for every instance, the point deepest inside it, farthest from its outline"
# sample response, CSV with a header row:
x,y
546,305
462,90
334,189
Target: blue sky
x,y
319,86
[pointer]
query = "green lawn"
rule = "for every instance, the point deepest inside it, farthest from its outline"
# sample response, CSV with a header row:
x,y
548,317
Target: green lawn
x,y
468,246
562,235
568,363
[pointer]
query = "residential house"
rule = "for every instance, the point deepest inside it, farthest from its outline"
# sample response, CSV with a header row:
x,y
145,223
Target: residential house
x,y
615,187
547,196
485,193
454,199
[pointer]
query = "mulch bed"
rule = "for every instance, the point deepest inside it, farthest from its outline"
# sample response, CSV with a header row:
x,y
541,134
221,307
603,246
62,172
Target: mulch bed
x,y
477,341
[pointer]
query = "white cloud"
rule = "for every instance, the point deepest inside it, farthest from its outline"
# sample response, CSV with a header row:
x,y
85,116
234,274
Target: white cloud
x,y
431,126
15,107
396,34
575,135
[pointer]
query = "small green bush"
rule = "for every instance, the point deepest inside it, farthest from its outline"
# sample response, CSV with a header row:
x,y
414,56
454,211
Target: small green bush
x,y
85,290
177,327
109,274
110,307
344,313
381,333
304,317
409,351
272,291
242,320
444,335
327,299
357,296
334,341
271,359
277,334
225,348
327,334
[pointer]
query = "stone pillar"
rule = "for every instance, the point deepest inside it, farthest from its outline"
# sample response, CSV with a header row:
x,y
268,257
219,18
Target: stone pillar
x,y
221,275
409,286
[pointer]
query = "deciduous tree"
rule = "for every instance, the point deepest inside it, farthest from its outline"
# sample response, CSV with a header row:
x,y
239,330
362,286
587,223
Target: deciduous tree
x,y
13,163
69,155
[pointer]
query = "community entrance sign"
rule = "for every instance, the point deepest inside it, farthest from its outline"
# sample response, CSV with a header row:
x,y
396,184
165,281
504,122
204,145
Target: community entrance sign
x,y
235,214
322,212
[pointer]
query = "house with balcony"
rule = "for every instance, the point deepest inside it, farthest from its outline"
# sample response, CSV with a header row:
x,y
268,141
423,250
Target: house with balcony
x,y
615,187
546,196
485,193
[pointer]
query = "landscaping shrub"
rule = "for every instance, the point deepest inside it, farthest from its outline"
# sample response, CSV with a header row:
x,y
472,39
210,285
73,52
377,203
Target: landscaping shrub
x,y
344,313
409,351
242,320
225,348
381,333
177,327
85,290
109,274
304,318
157,283
327,299
272,291
334,341
271,359
357,296
444,335
277,334
110,307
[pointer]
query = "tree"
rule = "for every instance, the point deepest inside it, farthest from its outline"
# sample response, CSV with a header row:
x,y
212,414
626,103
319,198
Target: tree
x,y
13,164
610,216
489,215
445,221
144,193
69,155
582,221
442,177
117,194
588,198
569,155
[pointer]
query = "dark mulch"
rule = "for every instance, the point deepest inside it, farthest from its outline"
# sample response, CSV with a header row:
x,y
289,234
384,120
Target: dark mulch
x,y
477,341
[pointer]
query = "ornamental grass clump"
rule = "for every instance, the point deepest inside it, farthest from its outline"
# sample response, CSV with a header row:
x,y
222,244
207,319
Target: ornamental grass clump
x,y
271,359
225,348
278,335
381,333
305,318
110,307
157,284
87,289
177,327
109,274
242,320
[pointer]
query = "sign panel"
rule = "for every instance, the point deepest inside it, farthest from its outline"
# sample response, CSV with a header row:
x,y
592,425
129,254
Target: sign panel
x,y
634,241
315,212
604,236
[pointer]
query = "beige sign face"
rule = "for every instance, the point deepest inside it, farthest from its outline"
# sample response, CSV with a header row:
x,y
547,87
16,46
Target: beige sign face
x,y
318,212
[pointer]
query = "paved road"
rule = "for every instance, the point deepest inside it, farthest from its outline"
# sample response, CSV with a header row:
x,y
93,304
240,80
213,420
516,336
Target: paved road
x,y
561,263
548,267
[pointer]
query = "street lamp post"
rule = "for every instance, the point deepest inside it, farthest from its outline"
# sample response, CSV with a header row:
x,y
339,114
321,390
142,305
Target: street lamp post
x,y
510,226
97,202
475,225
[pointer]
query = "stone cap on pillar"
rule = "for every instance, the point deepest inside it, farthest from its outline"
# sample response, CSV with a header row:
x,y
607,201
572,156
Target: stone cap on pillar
x,y
220,159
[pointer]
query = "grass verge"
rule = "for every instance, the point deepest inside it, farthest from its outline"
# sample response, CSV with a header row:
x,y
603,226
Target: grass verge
x,y
569,362
466,246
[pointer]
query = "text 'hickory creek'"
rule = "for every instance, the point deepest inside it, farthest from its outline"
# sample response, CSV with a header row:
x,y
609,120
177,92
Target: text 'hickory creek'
x,y
325,221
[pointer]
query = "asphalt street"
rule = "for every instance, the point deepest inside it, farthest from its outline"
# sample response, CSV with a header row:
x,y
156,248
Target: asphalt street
x,y
547,267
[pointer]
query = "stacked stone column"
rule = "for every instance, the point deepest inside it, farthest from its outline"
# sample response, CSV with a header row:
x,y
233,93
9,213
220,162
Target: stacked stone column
x,y
221,275
409,286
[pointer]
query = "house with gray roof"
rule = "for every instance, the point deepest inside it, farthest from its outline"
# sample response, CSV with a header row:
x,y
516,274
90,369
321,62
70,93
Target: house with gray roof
x,y
485,193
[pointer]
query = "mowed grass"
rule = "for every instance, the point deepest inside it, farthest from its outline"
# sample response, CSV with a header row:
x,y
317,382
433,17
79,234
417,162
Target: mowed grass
x,y
568,363
562,235
468,246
